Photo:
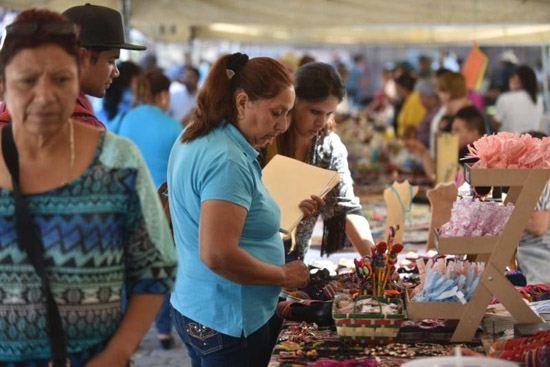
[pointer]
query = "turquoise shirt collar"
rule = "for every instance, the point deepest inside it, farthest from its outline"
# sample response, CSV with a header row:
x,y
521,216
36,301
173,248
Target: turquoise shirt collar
x,y
238,137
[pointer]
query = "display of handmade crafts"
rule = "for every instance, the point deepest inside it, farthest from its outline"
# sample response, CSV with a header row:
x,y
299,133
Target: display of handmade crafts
x,y
532,351
373,273
476,218
363,308
442,281
369,308
302,344
311,303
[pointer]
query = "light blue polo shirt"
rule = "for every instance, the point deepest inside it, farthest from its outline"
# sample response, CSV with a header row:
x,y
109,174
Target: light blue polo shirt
x,y
154,132
222,166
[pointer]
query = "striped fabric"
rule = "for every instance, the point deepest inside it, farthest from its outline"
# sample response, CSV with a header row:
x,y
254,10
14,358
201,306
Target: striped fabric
x,y
327,151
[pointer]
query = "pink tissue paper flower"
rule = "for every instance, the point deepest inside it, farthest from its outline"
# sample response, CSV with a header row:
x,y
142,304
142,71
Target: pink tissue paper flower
x,y
476,218
507,150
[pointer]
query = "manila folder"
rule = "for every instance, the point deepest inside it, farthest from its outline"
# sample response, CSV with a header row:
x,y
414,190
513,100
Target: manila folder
x,y
289,181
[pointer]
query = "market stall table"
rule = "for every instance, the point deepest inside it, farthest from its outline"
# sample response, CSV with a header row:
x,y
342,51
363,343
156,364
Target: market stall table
x,y
302,344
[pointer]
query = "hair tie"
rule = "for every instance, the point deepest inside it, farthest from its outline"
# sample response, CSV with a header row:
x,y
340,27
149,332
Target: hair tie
x,y
235,62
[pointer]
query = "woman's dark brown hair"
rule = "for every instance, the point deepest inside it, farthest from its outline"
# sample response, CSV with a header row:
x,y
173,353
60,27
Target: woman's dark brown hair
x,y
128,70
149,86
259,78
453,83
14,41
315,82
528,81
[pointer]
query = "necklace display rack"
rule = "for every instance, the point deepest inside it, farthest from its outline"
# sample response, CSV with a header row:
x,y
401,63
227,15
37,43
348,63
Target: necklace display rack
x,y
441,198
398,198
526,186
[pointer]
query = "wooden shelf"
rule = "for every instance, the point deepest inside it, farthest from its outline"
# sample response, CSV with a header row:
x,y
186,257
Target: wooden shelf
x,y
464,245
495,177
526,186
435,310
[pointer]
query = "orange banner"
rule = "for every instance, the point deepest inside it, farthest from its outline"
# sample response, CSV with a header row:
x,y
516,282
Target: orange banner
x,y
474,67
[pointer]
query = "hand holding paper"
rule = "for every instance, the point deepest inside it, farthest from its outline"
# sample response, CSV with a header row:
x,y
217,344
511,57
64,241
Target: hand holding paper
x,y
311,207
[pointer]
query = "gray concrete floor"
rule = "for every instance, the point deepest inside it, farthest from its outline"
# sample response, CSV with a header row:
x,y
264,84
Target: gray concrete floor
x,y
151,354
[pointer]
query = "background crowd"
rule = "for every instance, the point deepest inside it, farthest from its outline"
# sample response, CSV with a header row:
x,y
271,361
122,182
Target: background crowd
x,y
87,254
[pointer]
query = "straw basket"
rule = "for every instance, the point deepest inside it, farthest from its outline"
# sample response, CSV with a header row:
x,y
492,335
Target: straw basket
x,y
374,326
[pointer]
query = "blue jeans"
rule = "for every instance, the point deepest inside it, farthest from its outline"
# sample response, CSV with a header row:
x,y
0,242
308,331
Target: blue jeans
x,y
208,348
163,321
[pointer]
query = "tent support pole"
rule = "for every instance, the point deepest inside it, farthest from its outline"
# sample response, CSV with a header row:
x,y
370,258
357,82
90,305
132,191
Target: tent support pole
x,y
545,94
125,7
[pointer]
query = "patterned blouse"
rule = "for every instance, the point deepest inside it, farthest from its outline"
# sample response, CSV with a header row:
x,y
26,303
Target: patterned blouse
x,y
101,232
327,151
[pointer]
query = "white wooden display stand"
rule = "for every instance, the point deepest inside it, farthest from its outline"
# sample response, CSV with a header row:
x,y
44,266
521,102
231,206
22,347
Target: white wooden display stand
x,y
526,186
397,199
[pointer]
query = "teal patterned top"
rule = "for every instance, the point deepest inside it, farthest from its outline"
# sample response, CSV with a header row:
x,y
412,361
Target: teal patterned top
x,y
102,231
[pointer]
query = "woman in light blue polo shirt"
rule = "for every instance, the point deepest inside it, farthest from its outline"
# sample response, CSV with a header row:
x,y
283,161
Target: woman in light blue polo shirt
x,y
226,225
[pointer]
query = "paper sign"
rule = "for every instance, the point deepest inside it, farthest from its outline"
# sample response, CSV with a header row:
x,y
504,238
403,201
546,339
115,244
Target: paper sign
x,y
474,68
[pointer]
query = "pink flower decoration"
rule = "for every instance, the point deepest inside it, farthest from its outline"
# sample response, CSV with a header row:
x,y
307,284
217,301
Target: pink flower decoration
x,y
475,218
507,150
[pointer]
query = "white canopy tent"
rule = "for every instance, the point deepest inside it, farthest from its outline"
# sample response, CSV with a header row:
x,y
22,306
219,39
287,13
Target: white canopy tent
x,y
330,21
488,22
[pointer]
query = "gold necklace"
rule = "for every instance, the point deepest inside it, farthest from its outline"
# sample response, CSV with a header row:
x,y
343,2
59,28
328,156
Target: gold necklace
x,y
71,151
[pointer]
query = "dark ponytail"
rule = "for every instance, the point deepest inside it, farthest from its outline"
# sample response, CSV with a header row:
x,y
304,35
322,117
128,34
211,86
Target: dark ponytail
x,y
128,70
528,81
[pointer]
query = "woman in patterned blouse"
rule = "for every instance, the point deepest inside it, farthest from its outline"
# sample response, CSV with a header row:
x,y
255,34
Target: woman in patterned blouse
x,y
98,223
310,139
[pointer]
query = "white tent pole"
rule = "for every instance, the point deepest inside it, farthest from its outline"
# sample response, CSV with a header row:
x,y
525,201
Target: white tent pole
x,y
194,46
196,50
125,7
545,72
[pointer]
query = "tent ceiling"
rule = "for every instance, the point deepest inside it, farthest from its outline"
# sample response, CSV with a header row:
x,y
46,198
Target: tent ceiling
x,y
335,21
416,35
